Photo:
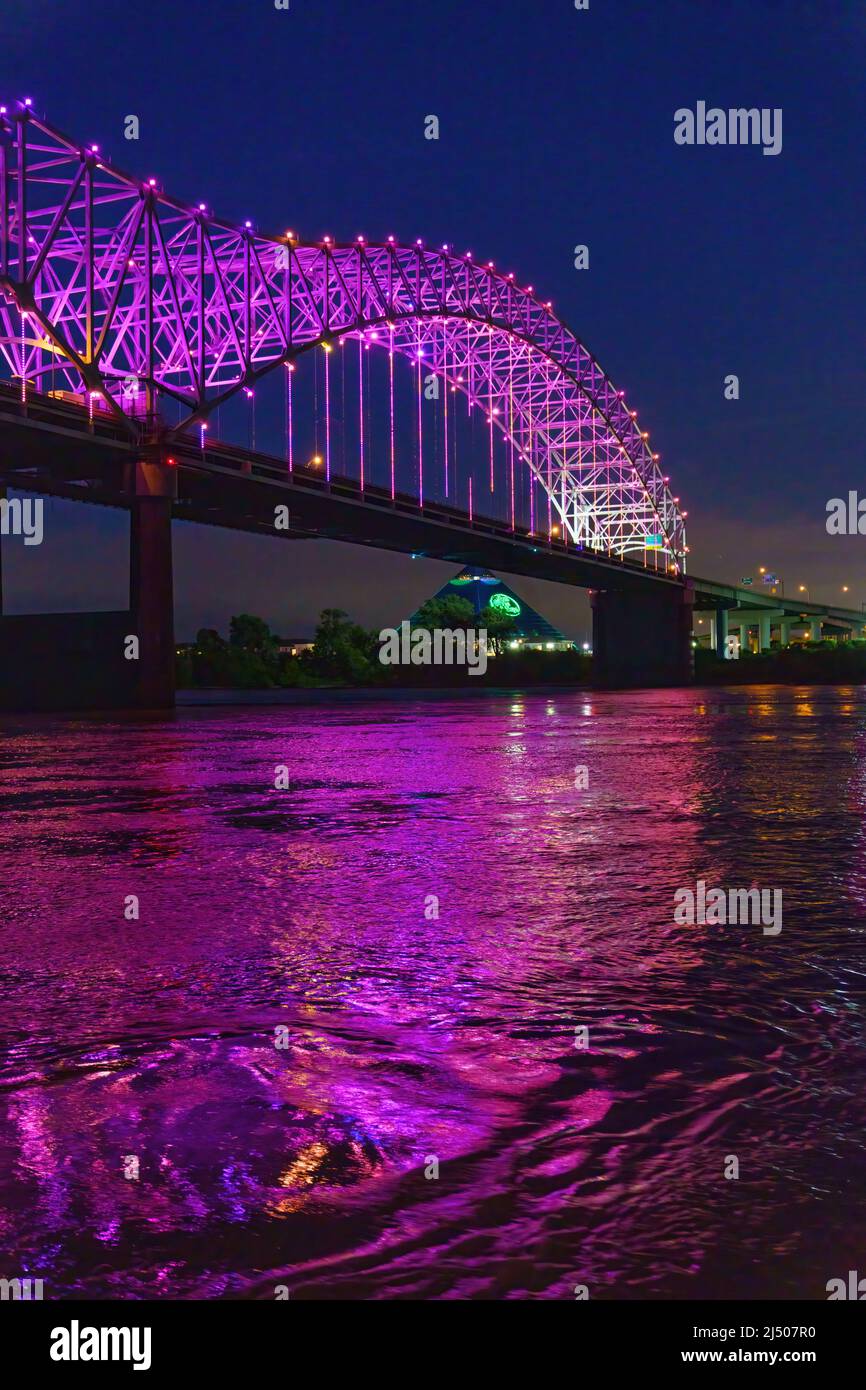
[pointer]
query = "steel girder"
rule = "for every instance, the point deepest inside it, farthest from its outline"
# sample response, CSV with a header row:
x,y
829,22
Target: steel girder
x,y
112,288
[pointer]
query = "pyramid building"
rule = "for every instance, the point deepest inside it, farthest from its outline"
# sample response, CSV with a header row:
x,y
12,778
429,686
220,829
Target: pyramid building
x,y
482,589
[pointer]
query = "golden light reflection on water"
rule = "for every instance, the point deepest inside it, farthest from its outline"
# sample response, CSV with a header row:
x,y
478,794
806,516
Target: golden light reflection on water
x,y
303,1170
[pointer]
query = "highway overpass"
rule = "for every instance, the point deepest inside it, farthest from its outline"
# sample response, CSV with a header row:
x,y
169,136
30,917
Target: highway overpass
x,y
739,609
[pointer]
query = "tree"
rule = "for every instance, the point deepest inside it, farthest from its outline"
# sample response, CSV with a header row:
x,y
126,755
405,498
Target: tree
x,y
344,650
253,653
498,625
253,635
249,660
449,612
209,658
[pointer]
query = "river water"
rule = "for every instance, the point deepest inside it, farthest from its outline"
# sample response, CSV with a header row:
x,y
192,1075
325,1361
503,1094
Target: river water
x,y
336,988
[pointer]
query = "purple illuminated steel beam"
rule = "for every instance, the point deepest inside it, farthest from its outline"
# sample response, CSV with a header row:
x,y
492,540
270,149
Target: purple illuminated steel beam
x,y
109,286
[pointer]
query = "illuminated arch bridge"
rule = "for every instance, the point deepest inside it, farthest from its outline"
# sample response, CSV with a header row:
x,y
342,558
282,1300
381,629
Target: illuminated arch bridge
x,y
147,309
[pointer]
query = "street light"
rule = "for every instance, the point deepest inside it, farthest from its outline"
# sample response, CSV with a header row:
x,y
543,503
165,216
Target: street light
x,y
804,589
776,584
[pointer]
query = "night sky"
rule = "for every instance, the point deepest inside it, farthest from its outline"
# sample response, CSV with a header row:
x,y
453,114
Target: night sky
x,y
556,129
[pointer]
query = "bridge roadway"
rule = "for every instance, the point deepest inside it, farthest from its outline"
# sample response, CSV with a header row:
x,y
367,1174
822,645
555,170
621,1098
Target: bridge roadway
x,y
51,447
735,607
642,618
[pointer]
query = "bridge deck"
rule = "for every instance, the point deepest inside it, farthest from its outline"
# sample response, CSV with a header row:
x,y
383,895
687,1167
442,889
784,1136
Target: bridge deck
x,y
52,447
710,594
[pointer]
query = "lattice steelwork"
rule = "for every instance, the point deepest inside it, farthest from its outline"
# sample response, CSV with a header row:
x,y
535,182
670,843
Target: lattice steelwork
x,y
110,288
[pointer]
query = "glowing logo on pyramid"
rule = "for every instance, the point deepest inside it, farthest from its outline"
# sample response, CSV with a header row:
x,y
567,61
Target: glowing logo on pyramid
x,y
504,603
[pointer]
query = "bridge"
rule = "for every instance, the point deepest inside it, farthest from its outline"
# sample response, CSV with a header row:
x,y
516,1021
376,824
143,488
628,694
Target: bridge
x,y
736,608
141,335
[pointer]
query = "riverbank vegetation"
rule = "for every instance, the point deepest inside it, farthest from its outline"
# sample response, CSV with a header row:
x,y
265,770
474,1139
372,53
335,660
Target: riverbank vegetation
x,y
806,663
345,654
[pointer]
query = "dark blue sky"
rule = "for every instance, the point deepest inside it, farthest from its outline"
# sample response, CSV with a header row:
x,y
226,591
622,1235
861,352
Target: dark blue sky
x,y
556,129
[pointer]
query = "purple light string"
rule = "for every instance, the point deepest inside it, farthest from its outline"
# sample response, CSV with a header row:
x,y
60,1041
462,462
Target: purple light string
x,y
391,384
327,411
531,473
420,428
446,422
490,399
455,468
549,462
316,404
564,461
289,450
343,407
361,400
511,421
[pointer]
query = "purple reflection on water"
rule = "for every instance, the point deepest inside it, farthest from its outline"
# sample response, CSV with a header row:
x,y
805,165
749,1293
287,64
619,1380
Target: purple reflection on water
x,y
155,1141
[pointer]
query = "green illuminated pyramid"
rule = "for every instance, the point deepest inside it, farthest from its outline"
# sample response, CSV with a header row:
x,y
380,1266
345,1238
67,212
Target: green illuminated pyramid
x,y
481,588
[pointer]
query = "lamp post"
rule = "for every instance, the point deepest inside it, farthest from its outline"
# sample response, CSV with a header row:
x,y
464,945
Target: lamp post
x,y
778,584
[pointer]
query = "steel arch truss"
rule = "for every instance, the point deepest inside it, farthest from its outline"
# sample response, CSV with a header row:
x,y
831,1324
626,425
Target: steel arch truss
x,y
109,287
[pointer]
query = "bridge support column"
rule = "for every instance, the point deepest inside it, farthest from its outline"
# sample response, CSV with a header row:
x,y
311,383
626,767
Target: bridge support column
x,y
764,632
721,632
151,586
642,637
815,630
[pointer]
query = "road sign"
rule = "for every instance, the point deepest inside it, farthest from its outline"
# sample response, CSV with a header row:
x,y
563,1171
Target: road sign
x,y
770,578
747,582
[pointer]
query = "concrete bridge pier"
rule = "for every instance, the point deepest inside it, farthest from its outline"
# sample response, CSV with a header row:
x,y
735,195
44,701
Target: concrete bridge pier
x,y
767,620
642,637
151,582
764,619
105,660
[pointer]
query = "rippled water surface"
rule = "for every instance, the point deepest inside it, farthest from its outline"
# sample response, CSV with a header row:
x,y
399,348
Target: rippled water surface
x,y
428,913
